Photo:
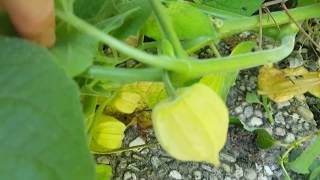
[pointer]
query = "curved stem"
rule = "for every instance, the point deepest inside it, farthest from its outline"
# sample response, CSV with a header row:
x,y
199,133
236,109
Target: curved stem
x,y
157,61
168,85
124,74
167,27
121,150
189,66
246,60
231,26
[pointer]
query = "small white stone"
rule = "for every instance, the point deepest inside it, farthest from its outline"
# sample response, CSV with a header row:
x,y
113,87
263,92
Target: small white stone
x,y
137,142
258,114
289,138
155,161
175,174
279,132
258,167
248,111
226,168
197,175
238,110
250,174
268,171
262,177
256,122
129,176
227,158
239,172
283,104
278,118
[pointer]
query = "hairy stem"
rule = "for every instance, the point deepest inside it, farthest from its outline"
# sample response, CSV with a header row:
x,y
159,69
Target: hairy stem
x,y
167,27
231,26
124,74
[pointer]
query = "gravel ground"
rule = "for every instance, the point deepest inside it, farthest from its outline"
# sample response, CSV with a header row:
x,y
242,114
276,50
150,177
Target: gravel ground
x,y
241,158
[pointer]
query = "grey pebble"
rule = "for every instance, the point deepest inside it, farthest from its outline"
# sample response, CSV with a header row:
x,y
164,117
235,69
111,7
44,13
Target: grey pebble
x,y
227,158
289,138
103,160
122,164
305,113
255,122
279,119
238,110
226,167
267,170
129,176
283,104
250,174
280,132
248,111
197,175
306,126
258,113
262,177
155,161
175,174
239,172
207,167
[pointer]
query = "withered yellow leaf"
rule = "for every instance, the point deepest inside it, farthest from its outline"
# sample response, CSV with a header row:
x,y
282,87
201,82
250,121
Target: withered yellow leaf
x,y
282,85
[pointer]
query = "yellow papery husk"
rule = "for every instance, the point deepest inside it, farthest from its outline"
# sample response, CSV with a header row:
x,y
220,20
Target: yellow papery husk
x,y
194,126
126,102
107,134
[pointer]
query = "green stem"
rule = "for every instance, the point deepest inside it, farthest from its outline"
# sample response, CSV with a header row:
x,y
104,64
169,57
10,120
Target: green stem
x,y
116,151
158,61
167,27
231,26
124,74
247,60
97,116
189,66
168,85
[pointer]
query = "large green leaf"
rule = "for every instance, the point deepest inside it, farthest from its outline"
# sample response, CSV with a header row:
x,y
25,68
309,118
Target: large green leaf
x,y
94,11
74,51
303,162
243,7
136,20
306,2
188,22
41,122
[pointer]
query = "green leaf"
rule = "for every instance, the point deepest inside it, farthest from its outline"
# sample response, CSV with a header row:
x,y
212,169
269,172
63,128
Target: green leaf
x,y
134,23
94,11
302,163
188,22
264,140
64,5
315,174
243,7
74,51
306,2
315,170
104,172
114,22
41,122
222,82
252,97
